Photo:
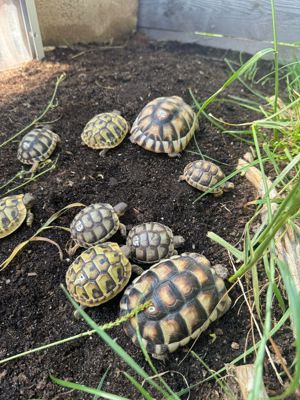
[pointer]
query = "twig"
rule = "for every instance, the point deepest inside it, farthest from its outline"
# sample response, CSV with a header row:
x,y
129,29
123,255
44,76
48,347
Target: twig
x,y
50,106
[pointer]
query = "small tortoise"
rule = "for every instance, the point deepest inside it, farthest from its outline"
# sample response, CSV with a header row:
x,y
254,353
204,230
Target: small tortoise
x,y
151,241
186,295
13,212
37,146
105,131
95,224
99,274
165,125
203,175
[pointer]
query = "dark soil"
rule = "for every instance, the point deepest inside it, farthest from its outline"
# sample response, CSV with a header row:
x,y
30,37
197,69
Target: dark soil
x,y
34,310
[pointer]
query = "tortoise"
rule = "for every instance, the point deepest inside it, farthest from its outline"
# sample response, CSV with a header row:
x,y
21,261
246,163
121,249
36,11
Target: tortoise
x,y
13,212
37,146
98,274
95,224
152,241
186,294
165,125
203,175
105,131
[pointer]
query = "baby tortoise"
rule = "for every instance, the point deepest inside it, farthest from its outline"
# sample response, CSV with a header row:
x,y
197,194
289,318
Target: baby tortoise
x,y
37,146
203,175
165,125
99,274
95,224
105,131
13,212
186,295
151,241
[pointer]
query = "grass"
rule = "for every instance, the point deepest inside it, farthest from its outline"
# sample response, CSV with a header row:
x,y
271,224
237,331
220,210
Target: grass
x,y
264,278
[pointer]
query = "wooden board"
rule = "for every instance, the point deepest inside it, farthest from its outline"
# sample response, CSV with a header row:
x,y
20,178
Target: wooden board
x,y
247,25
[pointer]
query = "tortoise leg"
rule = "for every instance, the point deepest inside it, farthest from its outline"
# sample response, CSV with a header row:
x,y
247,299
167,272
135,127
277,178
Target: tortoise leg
x,y
137,269
181,178
218,193
77,313
123,230
34,168
175,253
103,152
173,155
160,357
29,219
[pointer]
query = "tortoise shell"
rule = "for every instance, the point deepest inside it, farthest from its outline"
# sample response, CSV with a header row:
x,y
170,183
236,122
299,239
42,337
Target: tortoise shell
x,y
165,125
105,131
186,296
203,175
151,241
13,211
98,274
94,224
37,145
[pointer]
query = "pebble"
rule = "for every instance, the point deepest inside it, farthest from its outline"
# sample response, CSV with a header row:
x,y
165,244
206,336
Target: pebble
x,y
235,346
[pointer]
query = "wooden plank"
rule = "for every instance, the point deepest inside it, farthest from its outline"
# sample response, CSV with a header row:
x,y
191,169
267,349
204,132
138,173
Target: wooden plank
x,y
246,23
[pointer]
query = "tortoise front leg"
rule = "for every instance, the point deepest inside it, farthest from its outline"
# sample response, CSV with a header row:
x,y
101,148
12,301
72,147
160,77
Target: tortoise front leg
x,y
123,230
29,218
103,152
77,314
34,168
137,269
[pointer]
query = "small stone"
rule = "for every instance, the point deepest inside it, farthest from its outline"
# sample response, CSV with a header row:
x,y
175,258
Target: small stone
x,y
7,281
219,332
235,346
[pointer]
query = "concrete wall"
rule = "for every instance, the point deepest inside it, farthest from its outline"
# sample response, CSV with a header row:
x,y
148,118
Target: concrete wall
x,y
73,21
245,24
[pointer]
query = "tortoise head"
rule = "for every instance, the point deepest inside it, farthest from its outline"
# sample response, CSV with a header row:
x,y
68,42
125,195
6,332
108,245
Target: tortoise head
x,y
221,271
120,208
228,186
28,200
178,241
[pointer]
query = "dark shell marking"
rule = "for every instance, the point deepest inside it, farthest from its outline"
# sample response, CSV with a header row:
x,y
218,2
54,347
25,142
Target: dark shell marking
x,y
165,125
104,131
37,145
186,295
94,224
150,242
98,274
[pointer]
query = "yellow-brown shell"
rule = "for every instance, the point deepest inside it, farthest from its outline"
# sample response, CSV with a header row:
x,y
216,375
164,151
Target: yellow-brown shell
x,y
187,296
37,145
203,175
12,214
165,125
105,131
98,274
94,224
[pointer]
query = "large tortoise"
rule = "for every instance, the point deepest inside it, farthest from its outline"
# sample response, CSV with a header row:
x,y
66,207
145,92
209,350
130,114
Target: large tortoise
x,y
165,125
186,295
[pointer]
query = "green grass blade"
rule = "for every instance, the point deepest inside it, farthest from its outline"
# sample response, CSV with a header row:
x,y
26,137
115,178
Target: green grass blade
x,y
146,395
101,383
86,389
113,345
239,255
